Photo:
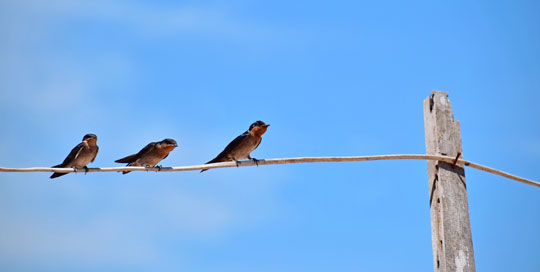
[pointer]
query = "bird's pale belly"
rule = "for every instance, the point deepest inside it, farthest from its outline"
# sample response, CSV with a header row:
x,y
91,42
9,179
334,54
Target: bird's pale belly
x,y
243,151
148,161
83,159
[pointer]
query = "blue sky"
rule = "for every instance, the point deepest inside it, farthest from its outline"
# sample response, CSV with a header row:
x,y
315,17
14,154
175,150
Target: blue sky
x,y
332,78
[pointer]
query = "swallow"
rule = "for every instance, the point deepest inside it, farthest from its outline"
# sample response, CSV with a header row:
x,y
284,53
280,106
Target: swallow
x,y
150,155
80,155
241,147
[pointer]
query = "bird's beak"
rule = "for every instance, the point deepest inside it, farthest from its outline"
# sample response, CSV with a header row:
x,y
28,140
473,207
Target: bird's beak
x,y
175,145
267,125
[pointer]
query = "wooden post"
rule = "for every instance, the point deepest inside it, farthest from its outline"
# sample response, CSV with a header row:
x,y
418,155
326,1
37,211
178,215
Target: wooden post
x,y
450,227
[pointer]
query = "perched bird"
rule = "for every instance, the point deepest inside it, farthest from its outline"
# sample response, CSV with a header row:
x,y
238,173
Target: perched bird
x,y
243,145
80,155
150,155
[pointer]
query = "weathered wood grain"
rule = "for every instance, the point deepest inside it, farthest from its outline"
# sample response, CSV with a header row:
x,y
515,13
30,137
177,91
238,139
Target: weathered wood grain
x,y
450,226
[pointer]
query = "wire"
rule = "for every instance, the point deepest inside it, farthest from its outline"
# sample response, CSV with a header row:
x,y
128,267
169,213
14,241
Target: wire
x,y
451,160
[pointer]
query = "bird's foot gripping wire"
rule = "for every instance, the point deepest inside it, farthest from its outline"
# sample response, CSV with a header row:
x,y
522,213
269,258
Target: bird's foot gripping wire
x,y
255,161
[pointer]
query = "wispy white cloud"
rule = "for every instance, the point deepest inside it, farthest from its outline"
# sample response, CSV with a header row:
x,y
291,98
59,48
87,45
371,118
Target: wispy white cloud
x,y
49,239
187,214
127,224
35,76
153,19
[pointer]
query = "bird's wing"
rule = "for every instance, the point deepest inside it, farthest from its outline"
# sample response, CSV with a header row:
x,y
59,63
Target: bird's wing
x,y
72,155
134,157
231,146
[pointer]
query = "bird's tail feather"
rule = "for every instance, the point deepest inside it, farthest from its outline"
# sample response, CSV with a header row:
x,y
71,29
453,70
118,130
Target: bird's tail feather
x,y
128,159
214,160
55,175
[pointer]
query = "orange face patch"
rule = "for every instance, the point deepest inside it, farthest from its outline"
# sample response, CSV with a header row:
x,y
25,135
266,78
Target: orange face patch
x,y
259,130
91,141
166,149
